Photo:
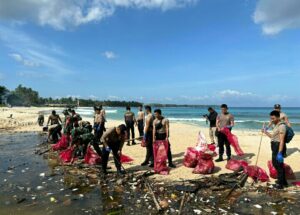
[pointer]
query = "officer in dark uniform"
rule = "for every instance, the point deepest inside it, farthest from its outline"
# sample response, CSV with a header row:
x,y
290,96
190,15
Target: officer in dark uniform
x,y
113,140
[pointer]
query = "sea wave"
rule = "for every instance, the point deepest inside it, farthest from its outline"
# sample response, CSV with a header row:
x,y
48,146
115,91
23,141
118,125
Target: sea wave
x,y
91,111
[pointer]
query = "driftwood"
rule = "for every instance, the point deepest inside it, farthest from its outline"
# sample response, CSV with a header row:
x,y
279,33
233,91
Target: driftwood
x,y
153,195
182,203
44,152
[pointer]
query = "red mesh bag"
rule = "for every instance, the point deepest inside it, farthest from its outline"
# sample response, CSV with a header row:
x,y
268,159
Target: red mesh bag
x,y
62,144
160,152
211,147
233,140
205,156
236,165
125,159
289,174
204,167
67,155
296,183
91,157
257,173
191,157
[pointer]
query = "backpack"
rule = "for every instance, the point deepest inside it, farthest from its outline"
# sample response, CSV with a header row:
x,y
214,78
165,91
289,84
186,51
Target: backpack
x,y
289,134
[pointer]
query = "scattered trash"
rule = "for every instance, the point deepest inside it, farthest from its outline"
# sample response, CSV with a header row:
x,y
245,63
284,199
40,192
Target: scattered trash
x,y
42,174
257,206
39,187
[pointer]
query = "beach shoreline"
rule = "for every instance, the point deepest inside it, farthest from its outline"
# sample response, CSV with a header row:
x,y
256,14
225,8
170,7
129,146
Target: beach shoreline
x,y
182,136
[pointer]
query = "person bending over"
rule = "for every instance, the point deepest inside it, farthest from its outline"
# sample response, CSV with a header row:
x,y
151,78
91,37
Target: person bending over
x,y
113,140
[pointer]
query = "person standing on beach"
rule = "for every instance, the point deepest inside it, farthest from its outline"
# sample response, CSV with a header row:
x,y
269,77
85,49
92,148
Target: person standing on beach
x,y
97,124
277,145
130,121
140,121
75,118
41,119
148,136
212,118
161,132
54,120
284,119
113,140
224,120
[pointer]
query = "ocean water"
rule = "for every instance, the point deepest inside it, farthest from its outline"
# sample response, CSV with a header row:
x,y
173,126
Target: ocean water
x,y
245,118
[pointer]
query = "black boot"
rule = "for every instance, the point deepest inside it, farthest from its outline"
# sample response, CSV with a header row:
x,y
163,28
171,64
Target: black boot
x,y
220,159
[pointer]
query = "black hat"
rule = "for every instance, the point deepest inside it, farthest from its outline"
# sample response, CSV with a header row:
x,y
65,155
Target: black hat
x,y
277,106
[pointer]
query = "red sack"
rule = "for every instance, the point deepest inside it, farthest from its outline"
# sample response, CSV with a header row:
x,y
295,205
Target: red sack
x,y
289,174
125,159
205,156
257,173
233,140
191,157
211,147
204,167
160,152
67,155
236,165
296,183
91,157
62,144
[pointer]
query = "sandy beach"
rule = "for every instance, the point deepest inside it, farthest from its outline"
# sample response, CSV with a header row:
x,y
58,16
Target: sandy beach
x,y
182,136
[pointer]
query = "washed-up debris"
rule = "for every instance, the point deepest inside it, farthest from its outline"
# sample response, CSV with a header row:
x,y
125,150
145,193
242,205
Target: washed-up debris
x,y
53,200
39,187
258,206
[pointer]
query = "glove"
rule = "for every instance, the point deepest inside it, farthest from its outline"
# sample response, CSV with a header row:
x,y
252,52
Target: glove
x,y
107,148
229,126
279,157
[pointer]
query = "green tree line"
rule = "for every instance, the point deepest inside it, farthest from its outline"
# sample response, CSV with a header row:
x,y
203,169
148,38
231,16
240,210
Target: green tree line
x,y
24,96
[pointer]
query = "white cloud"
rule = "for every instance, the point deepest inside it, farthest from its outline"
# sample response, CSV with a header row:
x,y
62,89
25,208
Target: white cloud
x,y
277,15
109,55
25,62
234,93
69,13
32,74
32,53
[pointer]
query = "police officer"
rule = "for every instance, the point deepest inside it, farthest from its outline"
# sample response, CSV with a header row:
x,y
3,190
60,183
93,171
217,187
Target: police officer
x,y
113,140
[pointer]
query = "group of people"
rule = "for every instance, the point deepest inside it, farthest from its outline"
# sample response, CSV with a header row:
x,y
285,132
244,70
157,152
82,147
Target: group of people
x,y
281,129
154,126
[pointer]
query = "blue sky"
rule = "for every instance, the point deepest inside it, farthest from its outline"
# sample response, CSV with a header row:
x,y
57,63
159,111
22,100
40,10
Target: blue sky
x,y
244,53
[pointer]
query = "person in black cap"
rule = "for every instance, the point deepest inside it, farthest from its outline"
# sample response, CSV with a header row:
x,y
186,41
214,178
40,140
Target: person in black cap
x,y
113,140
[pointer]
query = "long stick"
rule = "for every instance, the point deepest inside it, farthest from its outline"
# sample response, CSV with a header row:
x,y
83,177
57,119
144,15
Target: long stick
x,y
153,196
261,138
182,203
